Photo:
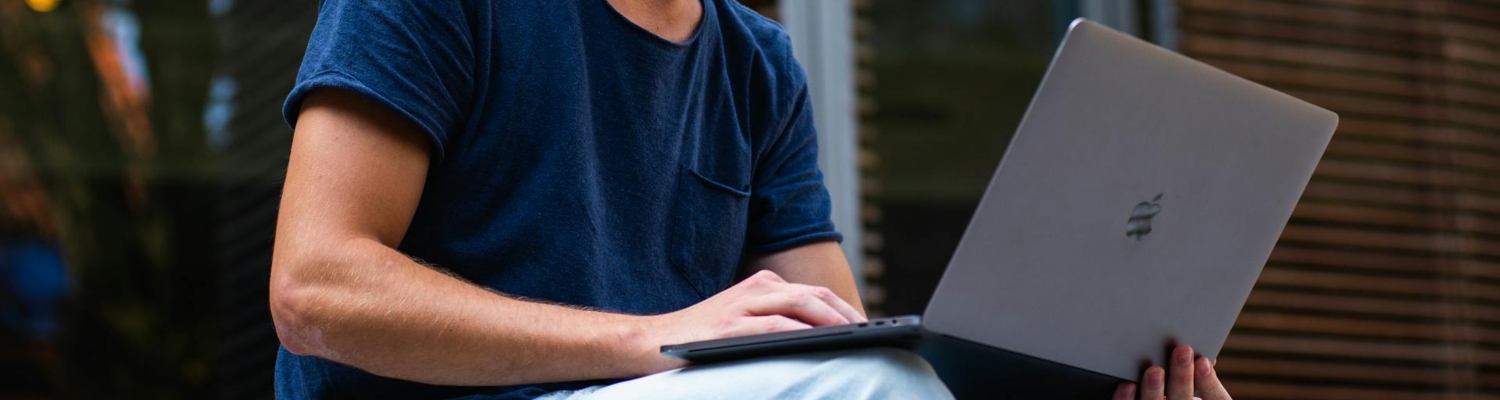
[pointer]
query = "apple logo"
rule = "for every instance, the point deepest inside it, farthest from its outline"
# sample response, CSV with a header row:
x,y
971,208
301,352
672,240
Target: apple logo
x,y
1139,223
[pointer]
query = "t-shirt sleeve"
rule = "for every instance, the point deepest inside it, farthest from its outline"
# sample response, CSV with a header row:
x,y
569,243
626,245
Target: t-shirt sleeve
x,y
413,57
789,205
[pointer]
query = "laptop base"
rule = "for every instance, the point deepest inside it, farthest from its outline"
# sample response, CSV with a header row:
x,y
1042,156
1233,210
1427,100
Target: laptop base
x,y
902,332
976,371
970,370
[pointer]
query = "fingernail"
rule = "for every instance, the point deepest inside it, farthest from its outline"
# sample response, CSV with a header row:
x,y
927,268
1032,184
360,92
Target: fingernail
x,y
1184,358
1203,367
1154,379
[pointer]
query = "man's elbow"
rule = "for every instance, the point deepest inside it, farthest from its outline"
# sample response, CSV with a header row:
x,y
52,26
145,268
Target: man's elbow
x,y
293,304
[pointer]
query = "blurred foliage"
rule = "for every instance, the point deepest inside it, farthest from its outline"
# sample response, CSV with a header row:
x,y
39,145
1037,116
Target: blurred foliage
x,y
127,183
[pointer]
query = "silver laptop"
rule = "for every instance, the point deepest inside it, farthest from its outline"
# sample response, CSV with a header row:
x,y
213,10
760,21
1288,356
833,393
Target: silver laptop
x,y
1138,201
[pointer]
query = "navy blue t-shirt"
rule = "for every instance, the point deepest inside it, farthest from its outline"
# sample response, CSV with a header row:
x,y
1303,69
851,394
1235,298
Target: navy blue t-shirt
x,y
577,158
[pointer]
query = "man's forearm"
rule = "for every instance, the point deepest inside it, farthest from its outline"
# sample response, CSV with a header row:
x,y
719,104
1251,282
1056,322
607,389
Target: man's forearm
x,y
371,307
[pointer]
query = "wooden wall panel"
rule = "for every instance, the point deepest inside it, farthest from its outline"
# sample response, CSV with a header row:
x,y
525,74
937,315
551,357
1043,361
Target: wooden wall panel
x,y
1386,282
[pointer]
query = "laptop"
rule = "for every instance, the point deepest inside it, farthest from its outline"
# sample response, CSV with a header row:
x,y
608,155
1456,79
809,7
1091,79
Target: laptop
x,y
1139,198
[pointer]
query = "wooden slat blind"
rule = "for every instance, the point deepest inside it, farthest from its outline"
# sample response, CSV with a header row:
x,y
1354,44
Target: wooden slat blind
x,y
1386,282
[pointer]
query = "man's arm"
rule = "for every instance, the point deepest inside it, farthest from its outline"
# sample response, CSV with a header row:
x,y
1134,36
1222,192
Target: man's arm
x,y
340,290
818,264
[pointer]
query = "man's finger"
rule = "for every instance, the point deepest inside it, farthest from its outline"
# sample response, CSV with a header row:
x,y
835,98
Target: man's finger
x,y
1153,383
833,300
760,282
1180,377
800,305
770,276
1126,391
1207,381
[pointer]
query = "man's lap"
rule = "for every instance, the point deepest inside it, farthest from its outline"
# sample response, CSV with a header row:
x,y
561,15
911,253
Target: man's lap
x,y
856,374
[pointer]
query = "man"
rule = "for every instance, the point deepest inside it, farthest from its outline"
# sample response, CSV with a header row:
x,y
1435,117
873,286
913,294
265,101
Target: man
x,y
512,199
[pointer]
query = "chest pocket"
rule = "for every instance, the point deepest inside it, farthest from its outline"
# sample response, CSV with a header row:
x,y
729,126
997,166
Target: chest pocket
x,y
708,231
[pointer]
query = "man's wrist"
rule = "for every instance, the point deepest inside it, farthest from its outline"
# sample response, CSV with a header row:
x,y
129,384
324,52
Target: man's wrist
x,y
637,341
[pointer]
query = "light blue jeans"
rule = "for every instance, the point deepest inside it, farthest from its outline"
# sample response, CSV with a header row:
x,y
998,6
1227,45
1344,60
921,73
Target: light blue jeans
x,y
875,373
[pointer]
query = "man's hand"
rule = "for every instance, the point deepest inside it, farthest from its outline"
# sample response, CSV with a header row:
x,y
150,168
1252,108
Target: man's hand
x,y
1187,373
762,303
